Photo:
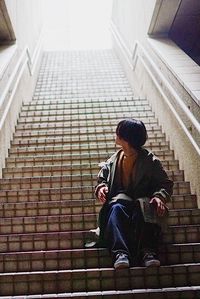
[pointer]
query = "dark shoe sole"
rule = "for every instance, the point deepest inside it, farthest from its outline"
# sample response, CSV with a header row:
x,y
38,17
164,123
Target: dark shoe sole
x,y
121,265
152,263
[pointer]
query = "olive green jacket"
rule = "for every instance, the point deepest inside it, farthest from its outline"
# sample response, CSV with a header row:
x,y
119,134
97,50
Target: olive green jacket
x,y
149,180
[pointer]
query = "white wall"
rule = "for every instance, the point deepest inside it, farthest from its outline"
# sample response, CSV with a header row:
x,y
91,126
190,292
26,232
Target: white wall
x,y
132,18
27,21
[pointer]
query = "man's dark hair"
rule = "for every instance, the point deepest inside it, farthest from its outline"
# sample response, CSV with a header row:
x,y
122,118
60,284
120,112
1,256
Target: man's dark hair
x,y
133,131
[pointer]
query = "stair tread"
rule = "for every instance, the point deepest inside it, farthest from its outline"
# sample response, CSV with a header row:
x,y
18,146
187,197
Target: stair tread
x,y
191,290
151,270
95,153
104,278
87,233
172,212
82,250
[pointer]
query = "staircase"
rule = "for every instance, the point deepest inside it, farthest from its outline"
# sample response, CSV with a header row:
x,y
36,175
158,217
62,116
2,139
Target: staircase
x,y
47,203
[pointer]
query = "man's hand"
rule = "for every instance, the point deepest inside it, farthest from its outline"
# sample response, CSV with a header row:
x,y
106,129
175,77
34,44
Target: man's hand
x,y
160,206
102,193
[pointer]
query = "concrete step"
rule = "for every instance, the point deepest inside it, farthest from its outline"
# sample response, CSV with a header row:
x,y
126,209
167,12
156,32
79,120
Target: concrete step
x,y
77,148
74,123
23,142
77,239
83,103
100,77
91,94
180,187
43,282
89,169
42,224
76,222
88,258
24,204
73,194
192,292
69,132
92,157
49,208
38,202
29,116
128,113
66,107
100,84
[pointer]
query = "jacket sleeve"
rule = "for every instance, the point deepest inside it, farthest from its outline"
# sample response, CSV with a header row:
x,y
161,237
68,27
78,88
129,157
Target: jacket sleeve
x,y
103,177
162,186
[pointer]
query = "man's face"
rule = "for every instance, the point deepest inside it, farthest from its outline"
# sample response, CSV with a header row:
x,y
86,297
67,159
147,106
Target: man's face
x,y
119,141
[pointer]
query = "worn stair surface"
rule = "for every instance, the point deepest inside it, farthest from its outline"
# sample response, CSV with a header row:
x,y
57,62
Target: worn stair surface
x,y
47,203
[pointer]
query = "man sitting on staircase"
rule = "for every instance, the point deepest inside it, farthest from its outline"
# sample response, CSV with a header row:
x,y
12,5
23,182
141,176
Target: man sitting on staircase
x,y
134,189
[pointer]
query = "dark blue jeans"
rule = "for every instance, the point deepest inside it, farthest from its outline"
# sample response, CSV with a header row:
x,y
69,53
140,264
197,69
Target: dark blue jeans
x,y
127,232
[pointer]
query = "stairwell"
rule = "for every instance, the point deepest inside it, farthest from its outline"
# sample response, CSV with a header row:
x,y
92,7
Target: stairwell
x,y
47,202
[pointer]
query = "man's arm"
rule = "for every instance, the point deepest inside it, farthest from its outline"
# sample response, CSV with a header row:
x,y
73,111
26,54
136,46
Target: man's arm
x,y
162,188
101,188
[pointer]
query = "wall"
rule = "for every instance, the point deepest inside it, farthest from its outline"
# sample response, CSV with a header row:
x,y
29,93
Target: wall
x,y
132,20
27,20
27,23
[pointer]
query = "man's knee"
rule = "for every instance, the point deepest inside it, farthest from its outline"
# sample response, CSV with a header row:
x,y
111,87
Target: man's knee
x,y
117,209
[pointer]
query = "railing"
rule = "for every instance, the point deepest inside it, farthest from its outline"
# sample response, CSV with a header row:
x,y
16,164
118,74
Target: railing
x,y
140,53
14,79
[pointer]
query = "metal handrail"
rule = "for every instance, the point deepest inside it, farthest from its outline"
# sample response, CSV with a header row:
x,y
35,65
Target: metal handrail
x,y
131,58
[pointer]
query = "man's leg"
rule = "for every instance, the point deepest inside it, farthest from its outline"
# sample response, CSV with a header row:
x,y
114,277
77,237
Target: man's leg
x,y
117,232
145,239
150,239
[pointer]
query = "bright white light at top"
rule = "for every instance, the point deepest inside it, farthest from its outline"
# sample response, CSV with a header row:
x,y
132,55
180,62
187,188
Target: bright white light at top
x,y
77,24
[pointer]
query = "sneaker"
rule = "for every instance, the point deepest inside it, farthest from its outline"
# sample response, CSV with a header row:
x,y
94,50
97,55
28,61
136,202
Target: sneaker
x,y
121,261
150,260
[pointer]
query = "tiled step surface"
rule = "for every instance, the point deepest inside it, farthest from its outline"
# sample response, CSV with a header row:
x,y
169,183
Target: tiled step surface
x,y
47,204
77,158
74,222
99,279
87,258
17,202
168,293
83,112
84,103
180,187
79,74
76,148
69,132
77,239
45,108
102,123
86,117
70,176
69,170
23,142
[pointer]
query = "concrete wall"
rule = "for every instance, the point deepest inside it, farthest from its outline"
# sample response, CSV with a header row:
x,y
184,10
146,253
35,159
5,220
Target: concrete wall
x,y
27,20
27,23
132,20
